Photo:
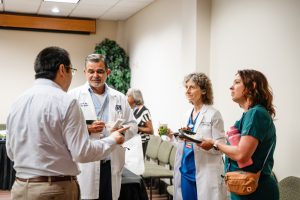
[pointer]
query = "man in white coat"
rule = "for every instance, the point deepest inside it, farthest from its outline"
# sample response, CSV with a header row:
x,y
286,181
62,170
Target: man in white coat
x,y
102,105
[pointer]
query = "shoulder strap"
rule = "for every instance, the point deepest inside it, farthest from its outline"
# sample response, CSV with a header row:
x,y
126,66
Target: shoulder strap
x,y
227,168
267,156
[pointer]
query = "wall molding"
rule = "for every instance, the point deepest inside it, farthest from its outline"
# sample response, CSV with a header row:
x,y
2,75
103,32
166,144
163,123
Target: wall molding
x,y
47,23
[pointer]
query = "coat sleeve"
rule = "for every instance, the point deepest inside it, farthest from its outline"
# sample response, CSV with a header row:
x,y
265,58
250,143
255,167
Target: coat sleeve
x,y
76,138
129,121
218,133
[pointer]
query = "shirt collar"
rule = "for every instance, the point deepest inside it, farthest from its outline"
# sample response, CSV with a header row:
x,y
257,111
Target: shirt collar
x,y
44,81
87,85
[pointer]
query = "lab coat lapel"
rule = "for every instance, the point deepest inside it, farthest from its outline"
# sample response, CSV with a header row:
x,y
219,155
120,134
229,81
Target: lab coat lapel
x,y
87,105
200,118
112,107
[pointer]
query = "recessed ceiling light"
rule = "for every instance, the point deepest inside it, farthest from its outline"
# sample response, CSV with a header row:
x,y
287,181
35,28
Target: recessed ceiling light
x,y
64,1
55,10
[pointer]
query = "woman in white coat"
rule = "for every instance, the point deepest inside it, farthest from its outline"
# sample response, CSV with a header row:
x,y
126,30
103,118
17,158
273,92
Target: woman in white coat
x,y
111,105
198,173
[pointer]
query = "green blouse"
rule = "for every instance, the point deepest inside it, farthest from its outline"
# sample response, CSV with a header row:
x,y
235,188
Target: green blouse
x,y
258,123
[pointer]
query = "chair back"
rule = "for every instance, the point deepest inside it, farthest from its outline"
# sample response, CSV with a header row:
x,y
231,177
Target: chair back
x,y
164,152
2,126
172,157
289,188
153,146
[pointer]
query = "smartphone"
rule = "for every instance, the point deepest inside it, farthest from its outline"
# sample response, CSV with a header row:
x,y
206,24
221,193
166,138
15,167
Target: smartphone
x,y
118,123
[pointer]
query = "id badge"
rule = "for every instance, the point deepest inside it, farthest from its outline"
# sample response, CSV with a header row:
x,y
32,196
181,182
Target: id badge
x,y
189,145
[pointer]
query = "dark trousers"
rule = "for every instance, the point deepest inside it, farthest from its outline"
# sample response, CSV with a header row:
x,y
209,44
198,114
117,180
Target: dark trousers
x,y
144,145
105,192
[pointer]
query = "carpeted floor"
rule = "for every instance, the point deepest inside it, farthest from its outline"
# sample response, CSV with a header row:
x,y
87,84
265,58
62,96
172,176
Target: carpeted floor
x,y
156,195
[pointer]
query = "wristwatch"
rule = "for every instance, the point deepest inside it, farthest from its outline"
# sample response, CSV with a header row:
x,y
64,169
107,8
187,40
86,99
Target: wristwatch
x,y
215,146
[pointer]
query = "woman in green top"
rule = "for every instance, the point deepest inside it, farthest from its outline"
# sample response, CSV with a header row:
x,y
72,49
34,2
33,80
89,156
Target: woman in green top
x,y
251,91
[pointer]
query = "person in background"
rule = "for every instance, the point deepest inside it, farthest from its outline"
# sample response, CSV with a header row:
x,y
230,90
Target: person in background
x,y
197,172
141,114
104,105
251,91
46,133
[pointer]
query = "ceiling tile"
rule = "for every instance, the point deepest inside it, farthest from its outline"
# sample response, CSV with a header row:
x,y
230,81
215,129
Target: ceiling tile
x,y
22,6
88,13
115,16
92,8
65,8
99,2
101,9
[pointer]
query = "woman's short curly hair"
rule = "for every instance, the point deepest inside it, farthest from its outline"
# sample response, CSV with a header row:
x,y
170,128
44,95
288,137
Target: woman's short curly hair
x,y
205,85
136,95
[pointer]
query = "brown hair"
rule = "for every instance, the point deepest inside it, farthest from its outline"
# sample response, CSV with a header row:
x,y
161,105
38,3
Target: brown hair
x,y
258,89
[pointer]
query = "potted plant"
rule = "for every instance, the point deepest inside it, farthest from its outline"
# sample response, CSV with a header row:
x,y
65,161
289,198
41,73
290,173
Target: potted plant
x,y
118,62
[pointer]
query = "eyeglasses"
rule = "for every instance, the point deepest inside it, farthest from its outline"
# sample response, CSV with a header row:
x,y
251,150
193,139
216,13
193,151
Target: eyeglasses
x,y
73,70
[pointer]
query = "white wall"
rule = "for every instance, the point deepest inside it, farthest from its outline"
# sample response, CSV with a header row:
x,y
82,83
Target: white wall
x,y
203,36
18,50
263,35
162,46
231,35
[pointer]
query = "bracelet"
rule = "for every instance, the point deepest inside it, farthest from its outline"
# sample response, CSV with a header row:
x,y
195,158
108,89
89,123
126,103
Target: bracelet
x,y
215,146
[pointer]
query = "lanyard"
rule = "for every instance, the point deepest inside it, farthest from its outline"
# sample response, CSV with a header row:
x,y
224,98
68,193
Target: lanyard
x,y
100,106
191,123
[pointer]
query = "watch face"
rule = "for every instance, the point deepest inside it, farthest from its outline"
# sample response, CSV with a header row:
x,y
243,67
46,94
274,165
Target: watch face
x,y
215,146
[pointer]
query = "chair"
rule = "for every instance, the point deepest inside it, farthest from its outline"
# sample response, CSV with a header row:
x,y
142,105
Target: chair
x,y
159,170
289,188
2,126
170,188
152,147
170,191
172,157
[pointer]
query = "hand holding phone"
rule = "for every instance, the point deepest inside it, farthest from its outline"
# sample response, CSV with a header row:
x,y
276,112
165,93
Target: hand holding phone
x,y
119,135
112,126
117,123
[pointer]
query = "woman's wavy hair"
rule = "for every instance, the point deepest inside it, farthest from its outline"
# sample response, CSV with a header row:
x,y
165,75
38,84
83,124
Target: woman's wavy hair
x,y
205,85
258,89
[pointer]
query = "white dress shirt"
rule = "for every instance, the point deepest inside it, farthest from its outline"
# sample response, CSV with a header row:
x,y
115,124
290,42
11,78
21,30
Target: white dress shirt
x,y
47,135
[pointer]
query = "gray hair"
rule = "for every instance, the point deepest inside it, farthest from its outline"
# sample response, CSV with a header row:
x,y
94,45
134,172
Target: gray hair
x,y
137,96
205,85
95,58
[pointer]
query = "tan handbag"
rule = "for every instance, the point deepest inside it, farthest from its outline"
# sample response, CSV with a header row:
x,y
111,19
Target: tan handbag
x,y
243,183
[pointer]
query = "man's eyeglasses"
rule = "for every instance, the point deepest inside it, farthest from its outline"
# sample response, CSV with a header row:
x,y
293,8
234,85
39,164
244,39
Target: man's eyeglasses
x,y
73,70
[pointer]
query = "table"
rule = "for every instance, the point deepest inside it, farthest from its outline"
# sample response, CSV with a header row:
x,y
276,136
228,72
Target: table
x,y
133,187
7,173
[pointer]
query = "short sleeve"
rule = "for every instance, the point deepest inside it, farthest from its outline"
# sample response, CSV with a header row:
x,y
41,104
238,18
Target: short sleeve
x,y
255,122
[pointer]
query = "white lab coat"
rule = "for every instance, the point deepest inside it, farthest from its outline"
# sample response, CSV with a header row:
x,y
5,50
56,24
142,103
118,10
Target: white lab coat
x,y
209,164
89,178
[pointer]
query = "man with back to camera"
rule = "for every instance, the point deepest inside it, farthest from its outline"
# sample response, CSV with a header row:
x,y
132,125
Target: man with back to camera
x,y
46,133
101,103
